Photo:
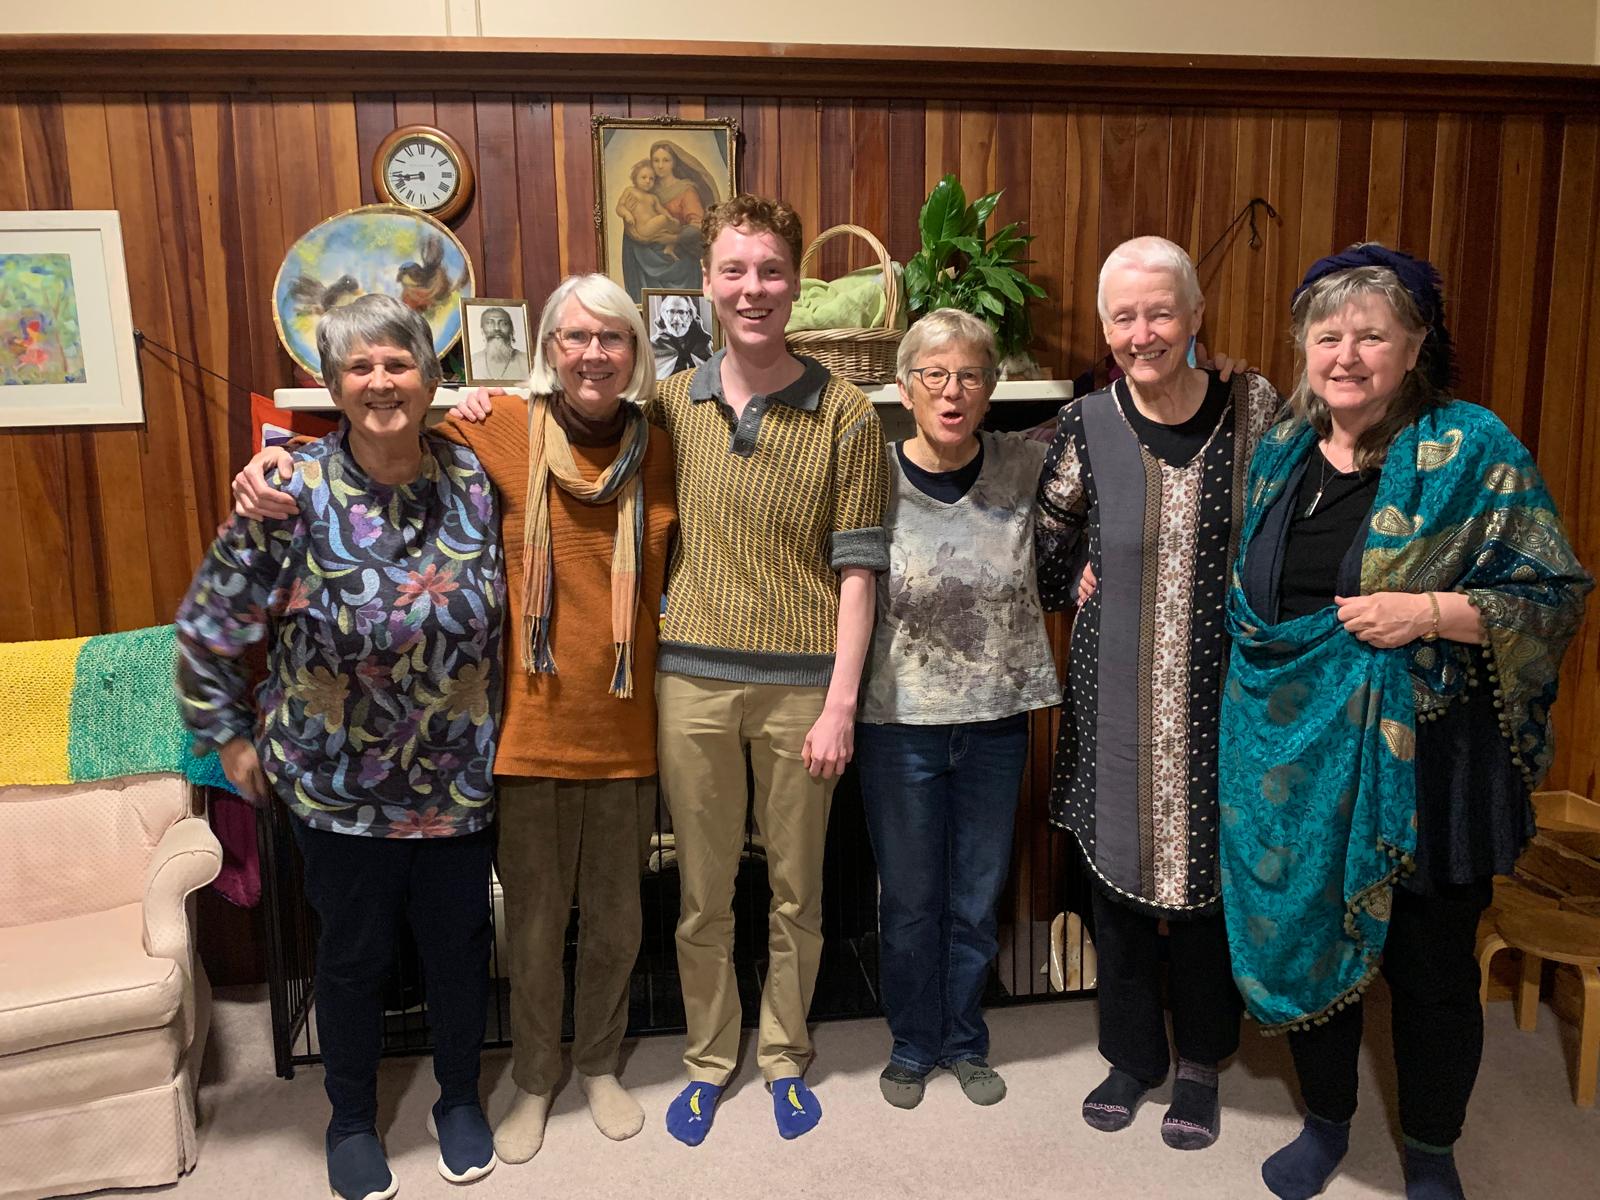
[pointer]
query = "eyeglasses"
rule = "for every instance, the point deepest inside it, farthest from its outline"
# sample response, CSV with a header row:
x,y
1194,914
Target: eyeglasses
x,y
612,341
971,379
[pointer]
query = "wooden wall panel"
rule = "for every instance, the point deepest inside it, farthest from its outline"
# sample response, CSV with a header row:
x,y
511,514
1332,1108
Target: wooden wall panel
x,y
101,527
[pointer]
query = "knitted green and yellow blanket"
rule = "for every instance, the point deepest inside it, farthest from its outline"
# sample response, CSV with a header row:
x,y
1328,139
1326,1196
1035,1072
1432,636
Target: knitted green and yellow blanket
x,y
95,708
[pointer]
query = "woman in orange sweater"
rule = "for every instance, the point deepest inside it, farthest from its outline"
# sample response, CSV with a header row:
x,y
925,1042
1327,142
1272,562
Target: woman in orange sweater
x,y
588,509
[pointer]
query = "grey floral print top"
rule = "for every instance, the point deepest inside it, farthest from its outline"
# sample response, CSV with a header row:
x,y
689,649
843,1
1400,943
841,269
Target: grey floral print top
x,y
960,633
382,608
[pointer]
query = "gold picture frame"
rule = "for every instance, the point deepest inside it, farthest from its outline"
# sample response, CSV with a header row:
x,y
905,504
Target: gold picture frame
x,y
647,222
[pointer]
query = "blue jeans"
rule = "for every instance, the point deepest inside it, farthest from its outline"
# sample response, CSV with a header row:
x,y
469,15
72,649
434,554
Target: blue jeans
x,y
940,803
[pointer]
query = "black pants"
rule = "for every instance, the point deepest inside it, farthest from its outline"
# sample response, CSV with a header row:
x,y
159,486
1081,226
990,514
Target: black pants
x,y
362,888
1438,1022
1205,1004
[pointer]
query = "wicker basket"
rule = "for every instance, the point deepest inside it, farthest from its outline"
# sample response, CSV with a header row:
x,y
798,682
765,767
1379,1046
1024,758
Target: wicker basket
x,y
858,355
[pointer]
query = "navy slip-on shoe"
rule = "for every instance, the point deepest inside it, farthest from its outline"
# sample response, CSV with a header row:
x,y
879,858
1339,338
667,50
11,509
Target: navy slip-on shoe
x,y
466,1146
358,1170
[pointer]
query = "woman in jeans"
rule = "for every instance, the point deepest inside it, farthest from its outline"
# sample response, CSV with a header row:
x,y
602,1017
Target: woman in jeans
x,y
958,659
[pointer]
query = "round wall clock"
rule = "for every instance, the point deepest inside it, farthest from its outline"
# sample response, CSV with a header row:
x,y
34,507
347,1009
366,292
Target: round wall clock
x,y
423,169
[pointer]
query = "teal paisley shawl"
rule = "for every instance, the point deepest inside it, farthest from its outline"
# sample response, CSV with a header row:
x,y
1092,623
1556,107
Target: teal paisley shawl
x,y
1317,772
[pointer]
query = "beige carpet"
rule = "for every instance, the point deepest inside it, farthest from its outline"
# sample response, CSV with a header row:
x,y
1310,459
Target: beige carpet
x,y
262,1136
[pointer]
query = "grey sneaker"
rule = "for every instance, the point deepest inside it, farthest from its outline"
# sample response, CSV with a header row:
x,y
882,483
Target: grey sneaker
x,y
901,1087
981,1082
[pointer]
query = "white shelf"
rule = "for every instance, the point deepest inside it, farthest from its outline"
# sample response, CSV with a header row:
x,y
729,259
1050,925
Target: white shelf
x,y
318,399
1007,391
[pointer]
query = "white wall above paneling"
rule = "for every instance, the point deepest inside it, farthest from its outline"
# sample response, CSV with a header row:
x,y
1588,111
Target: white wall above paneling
x,y
369,18
1555,31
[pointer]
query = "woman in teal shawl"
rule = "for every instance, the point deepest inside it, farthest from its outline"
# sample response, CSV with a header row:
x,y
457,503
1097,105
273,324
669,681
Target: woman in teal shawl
x,y
1399,612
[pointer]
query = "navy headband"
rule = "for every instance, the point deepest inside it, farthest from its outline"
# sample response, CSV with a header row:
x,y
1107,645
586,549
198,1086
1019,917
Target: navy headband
x,y
1420,279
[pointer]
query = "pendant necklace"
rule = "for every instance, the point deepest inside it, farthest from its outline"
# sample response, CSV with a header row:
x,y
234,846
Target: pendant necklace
x,y
1322,485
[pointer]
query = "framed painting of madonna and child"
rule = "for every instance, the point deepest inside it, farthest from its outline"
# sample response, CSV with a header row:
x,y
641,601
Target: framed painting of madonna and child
x,y
655,177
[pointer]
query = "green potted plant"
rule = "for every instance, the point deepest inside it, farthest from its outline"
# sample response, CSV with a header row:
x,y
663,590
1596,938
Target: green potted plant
x,y
963,266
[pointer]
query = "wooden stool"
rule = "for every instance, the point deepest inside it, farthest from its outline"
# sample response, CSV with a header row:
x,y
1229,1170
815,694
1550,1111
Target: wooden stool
x,y
1562,937
1509,896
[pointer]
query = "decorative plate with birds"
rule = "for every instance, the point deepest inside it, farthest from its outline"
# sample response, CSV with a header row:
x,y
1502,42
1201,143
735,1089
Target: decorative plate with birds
x,y
379,248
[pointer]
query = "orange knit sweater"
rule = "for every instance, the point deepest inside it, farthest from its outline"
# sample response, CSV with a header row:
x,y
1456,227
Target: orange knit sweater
x,y
567,725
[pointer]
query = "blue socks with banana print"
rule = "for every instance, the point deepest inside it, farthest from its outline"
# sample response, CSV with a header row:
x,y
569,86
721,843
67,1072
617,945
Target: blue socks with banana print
x,y
689,1115
794,1106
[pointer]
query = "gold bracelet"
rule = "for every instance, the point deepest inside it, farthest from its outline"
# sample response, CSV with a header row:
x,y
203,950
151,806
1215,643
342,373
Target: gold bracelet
x,y
1433,634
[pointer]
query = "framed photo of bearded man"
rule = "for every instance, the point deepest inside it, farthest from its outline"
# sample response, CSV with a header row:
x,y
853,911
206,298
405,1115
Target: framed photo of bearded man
x,y
495,339
655,177
683,329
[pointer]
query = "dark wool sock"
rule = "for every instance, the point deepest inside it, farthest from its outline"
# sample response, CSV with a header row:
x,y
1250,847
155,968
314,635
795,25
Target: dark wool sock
x,y
1431,1173
1110,1106
1195,1117
1302,1168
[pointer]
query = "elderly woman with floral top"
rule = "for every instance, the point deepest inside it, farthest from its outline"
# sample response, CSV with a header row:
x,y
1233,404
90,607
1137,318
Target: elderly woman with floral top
x,y
381,601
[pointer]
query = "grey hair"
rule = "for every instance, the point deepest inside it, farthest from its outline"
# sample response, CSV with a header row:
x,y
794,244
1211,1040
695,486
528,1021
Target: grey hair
x,y
1152,253
941,328
1326,298
374,320
604,298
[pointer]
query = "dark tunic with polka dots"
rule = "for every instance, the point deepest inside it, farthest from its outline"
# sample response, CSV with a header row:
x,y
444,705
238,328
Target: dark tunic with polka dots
x,y
1154,509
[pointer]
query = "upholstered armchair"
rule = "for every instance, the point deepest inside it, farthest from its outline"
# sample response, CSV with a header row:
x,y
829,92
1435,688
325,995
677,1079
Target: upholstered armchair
x,y
104,1006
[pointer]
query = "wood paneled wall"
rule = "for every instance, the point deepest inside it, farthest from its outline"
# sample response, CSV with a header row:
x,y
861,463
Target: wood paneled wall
x,y
100,528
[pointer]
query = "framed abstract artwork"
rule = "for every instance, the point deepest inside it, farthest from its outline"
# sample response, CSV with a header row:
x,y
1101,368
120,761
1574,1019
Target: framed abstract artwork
x,y
67,350
654,179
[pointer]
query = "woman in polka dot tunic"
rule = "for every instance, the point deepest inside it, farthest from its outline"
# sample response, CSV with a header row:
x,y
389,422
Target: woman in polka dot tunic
x,y
1139,504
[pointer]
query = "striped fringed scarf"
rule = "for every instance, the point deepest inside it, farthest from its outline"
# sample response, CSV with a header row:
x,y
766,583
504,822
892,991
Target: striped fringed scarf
x,y
550,455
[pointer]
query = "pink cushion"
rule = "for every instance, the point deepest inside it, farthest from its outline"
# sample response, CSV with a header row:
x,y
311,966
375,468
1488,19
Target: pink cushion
x,y
82,977
82,847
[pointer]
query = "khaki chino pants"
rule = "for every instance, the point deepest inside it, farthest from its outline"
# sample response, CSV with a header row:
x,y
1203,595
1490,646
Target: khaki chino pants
x,y
705,727
560,838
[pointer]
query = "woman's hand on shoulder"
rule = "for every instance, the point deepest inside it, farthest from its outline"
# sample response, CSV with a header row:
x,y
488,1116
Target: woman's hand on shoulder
x,y
476,405
1386,619
1087,584
257,499
1224,366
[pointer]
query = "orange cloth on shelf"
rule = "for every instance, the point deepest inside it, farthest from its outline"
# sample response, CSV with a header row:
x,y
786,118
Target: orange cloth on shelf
x,y
567,725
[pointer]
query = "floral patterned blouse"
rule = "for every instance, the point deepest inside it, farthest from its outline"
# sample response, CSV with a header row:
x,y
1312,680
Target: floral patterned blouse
x,y
383,608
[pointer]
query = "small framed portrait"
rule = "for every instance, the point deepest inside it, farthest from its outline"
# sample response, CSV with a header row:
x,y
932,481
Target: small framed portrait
x,y
497,341
683,329
655,177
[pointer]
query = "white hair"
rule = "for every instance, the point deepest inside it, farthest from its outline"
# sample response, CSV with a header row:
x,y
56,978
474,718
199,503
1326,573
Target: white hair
x,y
374,320
1152,253
940,328
605,299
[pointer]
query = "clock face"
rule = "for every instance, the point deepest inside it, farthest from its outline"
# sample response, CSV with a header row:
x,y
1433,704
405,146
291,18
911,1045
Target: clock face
x,y
421,175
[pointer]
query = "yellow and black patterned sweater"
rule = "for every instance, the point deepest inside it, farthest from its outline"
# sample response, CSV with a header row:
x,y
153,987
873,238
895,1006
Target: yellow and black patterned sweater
x,y
771,508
